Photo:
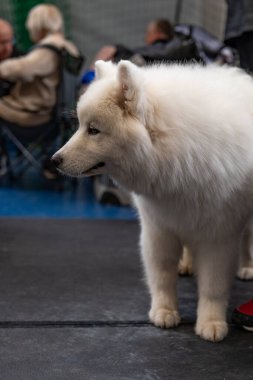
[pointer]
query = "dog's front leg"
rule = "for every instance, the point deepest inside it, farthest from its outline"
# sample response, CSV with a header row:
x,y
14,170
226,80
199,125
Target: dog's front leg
x,y
161,251
215,266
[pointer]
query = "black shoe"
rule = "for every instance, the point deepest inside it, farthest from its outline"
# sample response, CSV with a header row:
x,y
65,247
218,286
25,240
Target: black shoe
x,y
109,198
3,165
49,170
107,192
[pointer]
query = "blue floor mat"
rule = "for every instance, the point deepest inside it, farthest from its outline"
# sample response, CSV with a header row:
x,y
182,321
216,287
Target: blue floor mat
x,y
32,199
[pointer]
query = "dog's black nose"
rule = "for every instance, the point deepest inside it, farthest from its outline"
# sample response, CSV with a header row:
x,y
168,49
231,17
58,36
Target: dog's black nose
x,y
57,160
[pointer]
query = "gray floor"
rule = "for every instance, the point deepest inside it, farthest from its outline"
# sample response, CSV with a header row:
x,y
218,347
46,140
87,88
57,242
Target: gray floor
x,y
73,305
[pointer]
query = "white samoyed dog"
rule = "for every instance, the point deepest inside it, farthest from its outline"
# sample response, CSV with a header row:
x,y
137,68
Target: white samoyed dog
x,y
180,138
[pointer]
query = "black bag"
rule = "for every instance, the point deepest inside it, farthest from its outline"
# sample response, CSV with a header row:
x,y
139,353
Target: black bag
x,y
71,63
70,82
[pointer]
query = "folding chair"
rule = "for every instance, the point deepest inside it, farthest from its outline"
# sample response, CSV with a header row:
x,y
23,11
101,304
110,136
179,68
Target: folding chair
x,y
21,149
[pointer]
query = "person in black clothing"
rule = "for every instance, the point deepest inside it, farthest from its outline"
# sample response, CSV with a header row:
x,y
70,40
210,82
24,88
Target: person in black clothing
x,y
161,44
167,43
164,45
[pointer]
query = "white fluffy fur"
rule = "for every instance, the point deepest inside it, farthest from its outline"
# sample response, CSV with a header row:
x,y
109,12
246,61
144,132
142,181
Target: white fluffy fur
x,y
181,139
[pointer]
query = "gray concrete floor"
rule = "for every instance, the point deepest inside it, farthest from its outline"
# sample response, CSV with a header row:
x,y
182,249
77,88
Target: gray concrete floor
x,y
73,305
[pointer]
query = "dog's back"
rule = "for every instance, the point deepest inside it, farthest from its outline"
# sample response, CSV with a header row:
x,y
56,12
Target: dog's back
x,y
204,160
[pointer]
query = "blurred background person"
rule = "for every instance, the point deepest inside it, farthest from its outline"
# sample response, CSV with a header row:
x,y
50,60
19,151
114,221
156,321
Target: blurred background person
x,y
7,48
31,101
161,44
167,43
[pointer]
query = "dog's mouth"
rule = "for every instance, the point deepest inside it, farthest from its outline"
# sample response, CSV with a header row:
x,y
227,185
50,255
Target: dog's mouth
x,y
93,169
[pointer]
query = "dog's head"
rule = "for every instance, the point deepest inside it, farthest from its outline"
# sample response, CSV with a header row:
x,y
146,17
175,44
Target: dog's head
x,y
111,131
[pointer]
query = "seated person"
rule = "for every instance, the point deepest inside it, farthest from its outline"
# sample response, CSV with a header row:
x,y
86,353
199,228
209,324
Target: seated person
x,y
161,44
164,42
36,75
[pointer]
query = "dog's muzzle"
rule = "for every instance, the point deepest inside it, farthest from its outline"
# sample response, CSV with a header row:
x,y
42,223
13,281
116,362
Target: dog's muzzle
x,y
95,167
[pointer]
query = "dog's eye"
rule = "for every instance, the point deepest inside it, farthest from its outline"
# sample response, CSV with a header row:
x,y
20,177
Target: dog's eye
x,y
92,130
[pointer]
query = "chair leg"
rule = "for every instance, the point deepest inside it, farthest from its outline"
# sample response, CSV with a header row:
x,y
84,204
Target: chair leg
x,y
22,149
5,163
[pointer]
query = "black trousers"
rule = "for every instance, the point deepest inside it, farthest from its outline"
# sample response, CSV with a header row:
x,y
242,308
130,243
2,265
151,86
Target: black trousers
x,y
244,45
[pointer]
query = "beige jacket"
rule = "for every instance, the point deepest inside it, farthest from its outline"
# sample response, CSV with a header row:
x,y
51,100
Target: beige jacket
x,y
37,75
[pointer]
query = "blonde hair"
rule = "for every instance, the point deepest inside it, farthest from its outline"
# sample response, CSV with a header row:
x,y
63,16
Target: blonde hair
x,y
44,19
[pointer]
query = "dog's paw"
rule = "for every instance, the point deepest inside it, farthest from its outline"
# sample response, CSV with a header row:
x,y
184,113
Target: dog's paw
x,y
245,273
164,318
214,331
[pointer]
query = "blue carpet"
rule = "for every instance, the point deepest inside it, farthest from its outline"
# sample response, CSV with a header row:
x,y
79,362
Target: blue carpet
x,y
72,202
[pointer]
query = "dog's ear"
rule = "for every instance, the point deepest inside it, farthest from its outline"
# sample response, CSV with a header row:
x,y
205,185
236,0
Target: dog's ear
x,y
131,80
104,69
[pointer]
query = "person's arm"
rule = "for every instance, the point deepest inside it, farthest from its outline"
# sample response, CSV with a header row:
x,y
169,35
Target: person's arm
x,y
39,62
106,53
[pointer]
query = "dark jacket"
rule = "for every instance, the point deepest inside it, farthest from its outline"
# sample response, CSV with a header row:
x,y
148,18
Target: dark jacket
x,y
191,43
174,50
181,49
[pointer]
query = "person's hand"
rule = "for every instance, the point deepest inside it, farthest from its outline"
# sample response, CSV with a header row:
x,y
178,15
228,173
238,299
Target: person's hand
x,y
105,54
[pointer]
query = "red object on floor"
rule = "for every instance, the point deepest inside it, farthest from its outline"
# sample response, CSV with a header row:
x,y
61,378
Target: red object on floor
x,y
246,308
243,316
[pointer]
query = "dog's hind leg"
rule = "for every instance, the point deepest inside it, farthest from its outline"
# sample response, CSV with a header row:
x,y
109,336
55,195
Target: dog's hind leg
x,y
185,263
245,271
161,251
216,266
